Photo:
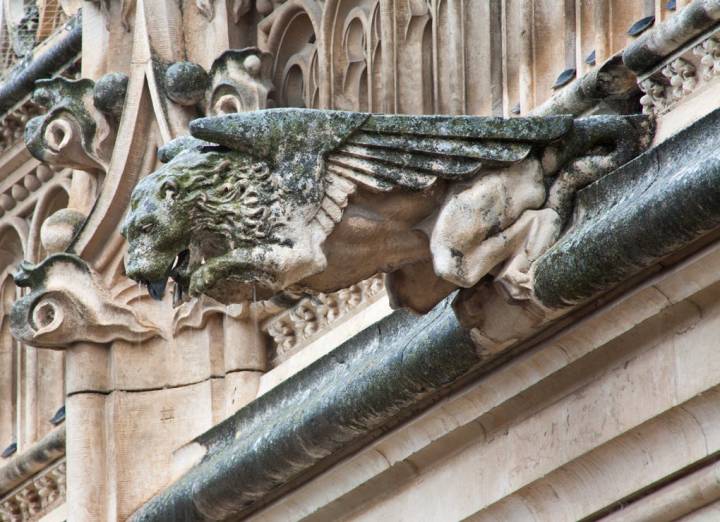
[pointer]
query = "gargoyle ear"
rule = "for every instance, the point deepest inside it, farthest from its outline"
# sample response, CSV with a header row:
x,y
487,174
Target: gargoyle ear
x,y
169,189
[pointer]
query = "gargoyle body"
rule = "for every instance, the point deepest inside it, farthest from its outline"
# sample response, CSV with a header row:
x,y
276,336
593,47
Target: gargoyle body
x,y
308,200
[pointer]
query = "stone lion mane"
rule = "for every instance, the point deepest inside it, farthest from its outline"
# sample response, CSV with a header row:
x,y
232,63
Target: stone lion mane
x,y
228,197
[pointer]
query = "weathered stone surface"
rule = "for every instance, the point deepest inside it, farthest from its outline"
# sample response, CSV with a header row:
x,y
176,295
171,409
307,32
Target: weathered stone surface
x,y
240,80
653,46
185,83
454,196
79,129
35,458
372,381
109,93
629,220
73,307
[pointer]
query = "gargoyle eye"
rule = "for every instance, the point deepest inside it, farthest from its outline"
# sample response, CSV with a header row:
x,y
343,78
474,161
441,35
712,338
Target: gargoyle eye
x,y
146,227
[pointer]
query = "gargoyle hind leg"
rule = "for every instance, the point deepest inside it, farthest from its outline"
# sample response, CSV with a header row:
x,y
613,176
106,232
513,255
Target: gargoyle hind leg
x,y
596,146
474,231
531,236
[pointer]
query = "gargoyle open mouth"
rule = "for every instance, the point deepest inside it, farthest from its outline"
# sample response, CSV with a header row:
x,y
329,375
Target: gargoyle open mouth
x,y
178,272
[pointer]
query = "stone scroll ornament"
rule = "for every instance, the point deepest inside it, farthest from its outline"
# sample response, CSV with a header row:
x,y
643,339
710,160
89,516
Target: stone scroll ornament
x,y
68,304
79,129
259,203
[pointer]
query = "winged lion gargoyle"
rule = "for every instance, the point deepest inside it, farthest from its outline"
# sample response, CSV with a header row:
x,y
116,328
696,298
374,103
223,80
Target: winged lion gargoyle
x,y
316,200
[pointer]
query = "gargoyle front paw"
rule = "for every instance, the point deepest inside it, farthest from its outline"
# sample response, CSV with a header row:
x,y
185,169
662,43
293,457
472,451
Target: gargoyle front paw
x,y
202,280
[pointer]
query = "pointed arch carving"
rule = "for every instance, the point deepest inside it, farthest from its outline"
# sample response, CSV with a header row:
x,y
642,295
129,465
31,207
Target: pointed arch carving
x,y
291,35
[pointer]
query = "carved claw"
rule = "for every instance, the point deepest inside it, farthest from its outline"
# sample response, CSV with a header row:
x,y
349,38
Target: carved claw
x,y
203,279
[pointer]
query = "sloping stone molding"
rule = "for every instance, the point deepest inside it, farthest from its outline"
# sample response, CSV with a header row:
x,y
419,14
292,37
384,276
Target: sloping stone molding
x,y
375,379
64,51
33,460
33,482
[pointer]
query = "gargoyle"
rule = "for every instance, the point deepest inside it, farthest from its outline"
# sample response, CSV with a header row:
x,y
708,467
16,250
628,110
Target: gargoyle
x,y
316,200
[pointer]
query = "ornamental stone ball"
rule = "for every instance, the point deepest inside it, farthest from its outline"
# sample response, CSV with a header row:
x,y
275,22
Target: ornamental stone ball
x,y
315,200
186,83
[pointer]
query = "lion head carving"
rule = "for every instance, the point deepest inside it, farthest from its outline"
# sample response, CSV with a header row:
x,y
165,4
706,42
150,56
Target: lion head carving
x,y
202,203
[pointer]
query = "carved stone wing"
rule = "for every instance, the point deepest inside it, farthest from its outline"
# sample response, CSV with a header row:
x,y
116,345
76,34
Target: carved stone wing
x,y
413,151
337,151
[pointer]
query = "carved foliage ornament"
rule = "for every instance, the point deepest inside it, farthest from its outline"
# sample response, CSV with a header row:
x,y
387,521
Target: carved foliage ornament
x,y
68,304
317,200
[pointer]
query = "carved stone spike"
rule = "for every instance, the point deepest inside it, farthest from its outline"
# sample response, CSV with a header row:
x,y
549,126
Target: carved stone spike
x,y
274,201
68,304
78,131
240,81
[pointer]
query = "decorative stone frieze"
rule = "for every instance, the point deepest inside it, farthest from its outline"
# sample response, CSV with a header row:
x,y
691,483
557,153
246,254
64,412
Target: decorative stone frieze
x,y
709,53
68,303
36,497
296,326
289,177
687,70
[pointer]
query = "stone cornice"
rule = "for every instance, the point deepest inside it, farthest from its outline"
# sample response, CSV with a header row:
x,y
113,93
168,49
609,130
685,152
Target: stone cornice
x,y
654,46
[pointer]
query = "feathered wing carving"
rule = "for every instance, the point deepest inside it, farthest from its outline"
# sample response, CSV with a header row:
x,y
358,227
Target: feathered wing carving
x,y
413,151
341,150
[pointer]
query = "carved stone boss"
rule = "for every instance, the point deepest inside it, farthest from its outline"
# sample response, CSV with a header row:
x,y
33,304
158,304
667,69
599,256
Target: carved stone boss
x,y
316,200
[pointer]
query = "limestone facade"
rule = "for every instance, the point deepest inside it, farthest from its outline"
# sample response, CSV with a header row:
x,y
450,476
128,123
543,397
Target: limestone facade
x,y
601,409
